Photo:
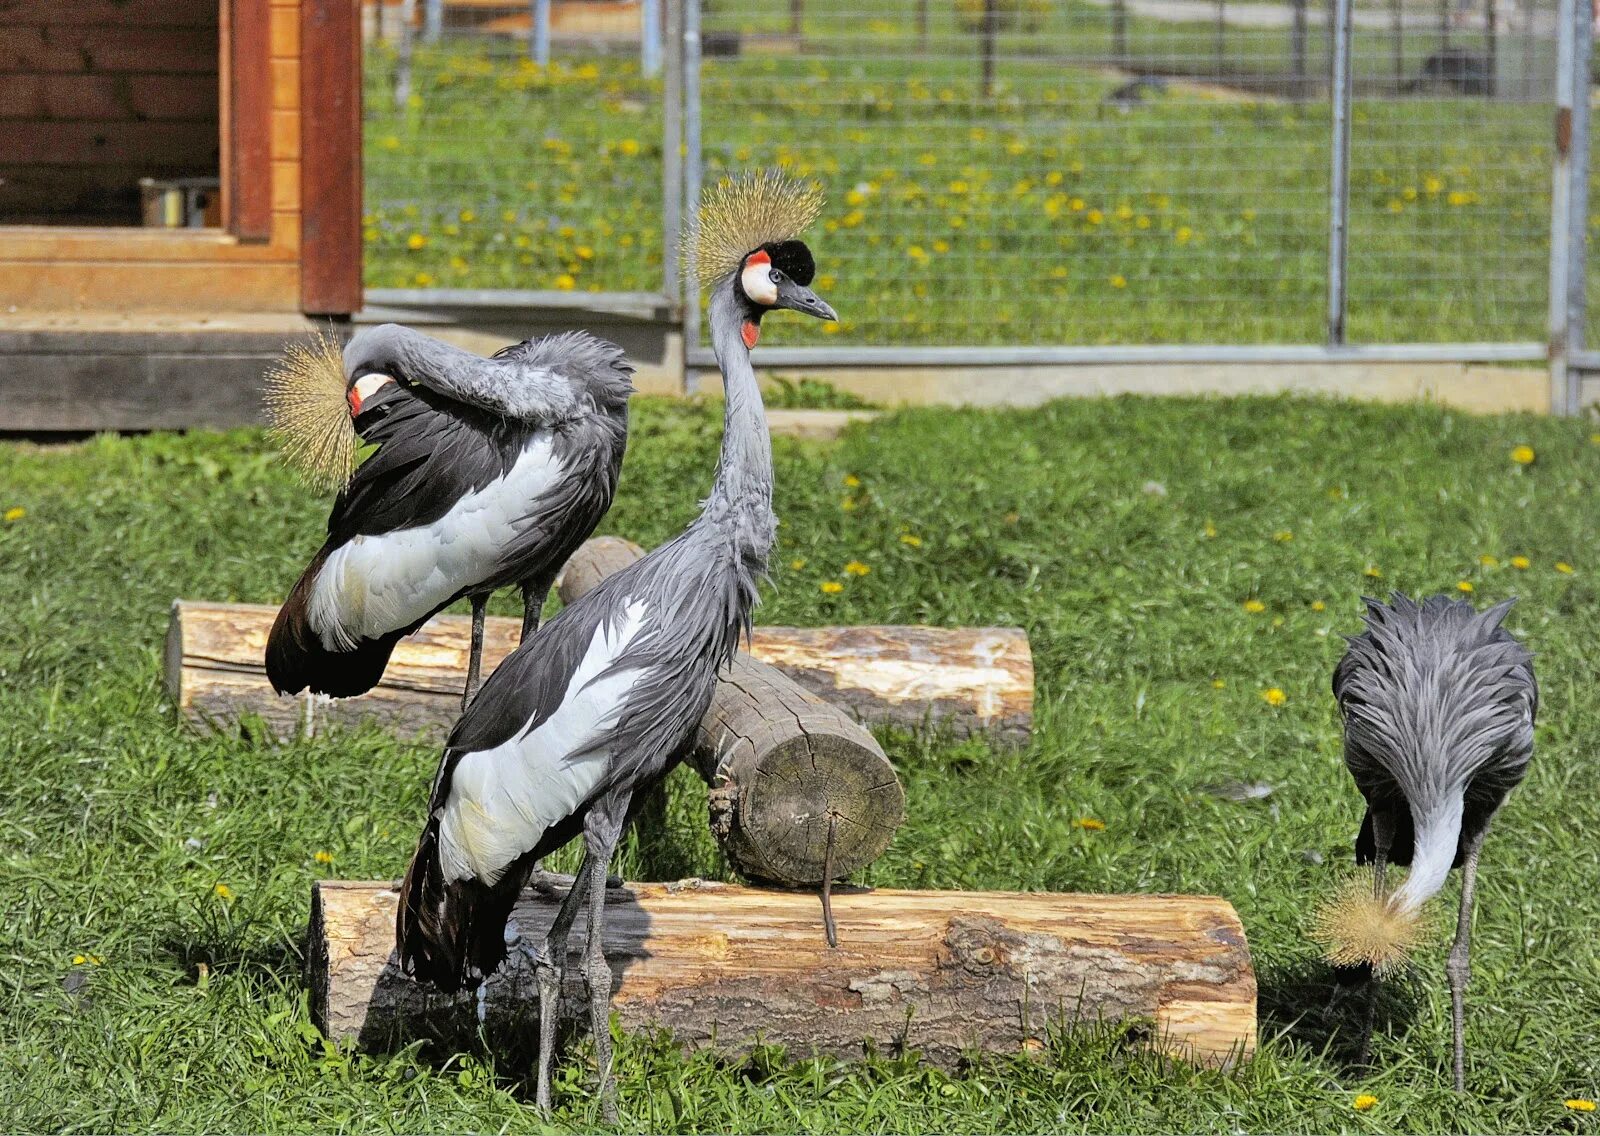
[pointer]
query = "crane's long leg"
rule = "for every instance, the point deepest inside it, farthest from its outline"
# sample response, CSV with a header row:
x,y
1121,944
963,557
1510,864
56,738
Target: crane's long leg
x,y
534,593
1382,838
1459,965
480,605
549,966
597,979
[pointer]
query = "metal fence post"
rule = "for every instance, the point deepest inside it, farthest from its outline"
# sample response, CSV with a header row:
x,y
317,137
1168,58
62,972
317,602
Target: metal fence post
x,y
650,38
672,159
1339,182
691,176
539,35
1563,208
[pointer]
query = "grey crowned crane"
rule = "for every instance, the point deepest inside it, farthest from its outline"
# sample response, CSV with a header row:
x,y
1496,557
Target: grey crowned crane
x,y
487,473
1438,701
602,701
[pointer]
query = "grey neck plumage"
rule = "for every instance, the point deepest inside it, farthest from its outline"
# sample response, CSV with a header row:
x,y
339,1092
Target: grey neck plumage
x,y
740,505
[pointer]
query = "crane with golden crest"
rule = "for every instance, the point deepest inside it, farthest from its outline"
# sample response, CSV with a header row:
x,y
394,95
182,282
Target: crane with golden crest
x,y
487,473
600,703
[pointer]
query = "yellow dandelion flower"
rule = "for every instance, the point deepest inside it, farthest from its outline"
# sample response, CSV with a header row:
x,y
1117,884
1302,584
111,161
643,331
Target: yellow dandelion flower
x,y
566,282
1318,605
1210,531
917,252
628,147
15,514
1142,221
1523,455
1053,178
416,241
1095,216
848,504
1594,439
422,279
1218,684
1579,1104
1456,197
911,540
1254,607
1522,563
1396,205
1363,1102
1119,281
1273,696
1184,234
856,568
1433,184
941,246
1409,193
323,857
1563,567
1372,572
1089,823
1464,586
831,587
467,216
852,481
1489,561
1248,214
584,252
1283,536
223,892
1124,212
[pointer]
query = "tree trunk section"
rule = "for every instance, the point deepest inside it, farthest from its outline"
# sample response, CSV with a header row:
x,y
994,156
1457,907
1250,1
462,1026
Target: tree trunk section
x,y
938,973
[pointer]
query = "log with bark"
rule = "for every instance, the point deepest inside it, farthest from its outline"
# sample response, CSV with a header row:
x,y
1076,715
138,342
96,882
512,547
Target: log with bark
x,y
967,680
940,973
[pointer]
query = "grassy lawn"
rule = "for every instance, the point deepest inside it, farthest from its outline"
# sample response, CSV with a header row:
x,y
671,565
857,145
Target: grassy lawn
x,y
153,883
1041,216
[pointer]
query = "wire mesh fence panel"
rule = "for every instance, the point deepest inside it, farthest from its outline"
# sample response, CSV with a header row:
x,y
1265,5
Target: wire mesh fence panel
x,y
1450,172
1041,172
486,168
1038,172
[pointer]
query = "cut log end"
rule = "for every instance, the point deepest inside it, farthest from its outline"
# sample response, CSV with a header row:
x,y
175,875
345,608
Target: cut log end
x,y
774,819
942,974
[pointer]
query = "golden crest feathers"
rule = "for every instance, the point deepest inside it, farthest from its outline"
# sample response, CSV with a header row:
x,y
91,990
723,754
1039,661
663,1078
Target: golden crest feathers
x,y
309,415
743,212
1356,926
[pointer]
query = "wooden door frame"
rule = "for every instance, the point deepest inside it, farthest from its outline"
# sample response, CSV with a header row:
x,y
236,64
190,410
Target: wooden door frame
x,y
246,78
330,157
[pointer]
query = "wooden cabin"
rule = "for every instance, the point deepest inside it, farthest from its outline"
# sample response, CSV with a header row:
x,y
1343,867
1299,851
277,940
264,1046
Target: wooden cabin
x,y
180,191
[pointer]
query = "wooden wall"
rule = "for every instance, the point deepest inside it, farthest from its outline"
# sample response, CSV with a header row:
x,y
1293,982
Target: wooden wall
x,y
95,94
195,271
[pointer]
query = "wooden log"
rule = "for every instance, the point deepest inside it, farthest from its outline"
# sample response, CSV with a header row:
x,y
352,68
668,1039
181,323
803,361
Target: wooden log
x,y
965,680
788,771
940,973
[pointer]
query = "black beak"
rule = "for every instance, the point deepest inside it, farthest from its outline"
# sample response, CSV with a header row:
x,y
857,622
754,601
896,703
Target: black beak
x,y
799,298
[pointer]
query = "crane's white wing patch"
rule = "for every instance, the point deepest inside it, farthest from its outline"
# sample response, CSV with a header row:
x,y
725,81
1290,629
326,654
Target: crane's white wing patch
x,y
502,800
377,584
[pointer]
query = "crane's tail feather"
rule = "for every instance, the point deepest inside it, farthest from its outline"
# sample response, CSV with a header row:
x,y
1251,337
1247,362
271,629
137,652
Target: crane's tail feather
x,y
297,659
1357,928
449,933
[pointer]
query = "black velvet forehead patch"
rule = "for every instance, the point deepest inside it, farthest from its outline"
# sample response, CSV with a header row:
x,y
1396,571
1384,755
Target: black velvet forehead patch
x,y
793,259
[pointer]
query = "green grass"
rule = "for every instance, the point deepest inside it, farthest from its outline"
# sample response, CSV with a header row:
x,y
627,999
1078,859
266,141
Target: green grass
x,y
188,1011
1038,217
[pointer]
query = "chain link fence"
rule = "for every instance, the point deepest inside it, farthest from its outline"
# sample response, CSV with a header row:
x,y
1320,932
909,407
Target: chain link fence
x,y
1000,172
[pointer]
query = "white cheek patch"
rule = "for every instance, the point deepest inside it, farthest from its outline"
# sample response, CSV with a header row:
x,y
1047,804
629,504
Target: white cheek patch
x,y
756,280
368,385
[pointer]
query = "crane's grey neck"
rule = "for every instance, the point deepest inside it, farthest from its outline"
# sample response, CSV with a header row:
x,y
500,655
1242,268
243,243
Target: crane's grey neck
x,y
740,504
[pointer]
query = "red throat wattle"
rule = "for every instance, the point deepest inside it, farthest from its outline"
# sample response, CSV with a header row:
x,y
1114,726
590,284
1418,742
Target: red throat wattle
x,y
750,332
353,397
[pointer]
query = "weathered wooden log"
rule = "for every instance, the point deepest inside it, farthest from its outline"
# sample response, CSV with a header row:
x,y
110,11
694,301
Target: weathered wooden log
x,y
940,973
788,771
968,680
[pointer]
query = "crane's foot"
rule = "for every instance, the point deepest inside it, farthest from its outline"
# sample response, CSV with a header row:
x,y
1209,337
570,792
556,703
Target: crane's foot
x,y
548,976
597,982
